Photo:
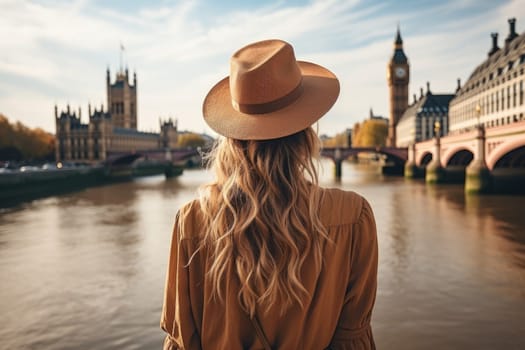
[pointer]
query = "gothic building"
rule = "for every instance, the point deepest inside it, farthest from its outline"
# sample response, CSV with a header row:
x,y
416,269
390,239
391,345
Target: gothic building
x,y
419,119
494,93
111,130
398,77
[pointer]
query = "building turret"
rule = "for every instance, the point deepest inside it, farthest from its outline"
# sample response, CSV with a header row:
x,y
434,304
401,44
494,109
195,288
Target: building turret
x,y
512,31
494,47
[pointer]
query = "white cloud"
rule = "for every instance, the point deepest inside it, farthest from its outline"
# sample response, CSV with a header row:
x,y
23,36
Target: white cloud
x,y
58,53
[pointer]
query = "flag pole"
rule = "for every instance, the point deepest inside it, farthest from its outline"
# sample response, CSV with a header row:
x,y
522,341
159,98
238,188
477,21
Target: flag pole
x,y
121,54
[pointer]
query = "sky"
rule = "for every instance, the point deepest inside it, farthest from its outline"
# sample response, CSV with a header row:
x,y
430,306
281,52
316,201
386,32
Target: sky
x,y
57,51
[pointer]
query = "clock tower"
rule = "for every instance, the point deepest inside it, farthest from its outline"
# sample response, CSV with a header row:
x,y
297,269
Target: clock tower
x,y
397,75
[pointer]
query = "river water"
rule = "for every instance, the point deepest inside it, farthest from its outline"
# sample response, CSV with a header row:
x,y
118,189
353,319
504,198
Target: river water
x,y
86,270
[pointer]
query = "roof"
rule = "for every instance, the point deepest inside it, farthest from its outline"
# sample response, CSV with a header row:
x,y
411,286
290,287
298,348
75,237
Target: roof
x,y
500,64
399,55
428,105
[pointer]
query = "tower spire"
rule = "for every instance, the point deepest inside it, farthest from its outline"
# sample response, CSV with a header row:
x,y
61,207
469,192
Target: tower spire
x,y
399,41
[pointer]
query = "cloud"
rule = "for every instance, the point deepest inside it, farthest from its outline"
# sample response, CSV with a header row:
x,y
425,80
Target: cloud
x,y
58,51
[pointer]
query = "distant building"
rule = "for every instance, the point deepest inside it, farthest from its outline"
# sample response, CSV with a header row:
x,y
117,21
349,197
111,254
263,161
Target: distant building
x,y
377,117
493,94
419,119
113,130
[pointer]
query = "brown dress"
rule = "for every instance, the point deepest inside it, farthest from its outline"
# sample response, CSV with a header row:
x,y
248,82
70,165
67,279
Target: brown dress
x,y
336,315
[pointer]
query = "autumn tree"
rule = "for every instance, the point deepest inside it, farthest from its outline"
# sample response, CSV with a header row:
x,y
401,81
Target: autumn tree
x,y
370,133
191,140
339,140
18,142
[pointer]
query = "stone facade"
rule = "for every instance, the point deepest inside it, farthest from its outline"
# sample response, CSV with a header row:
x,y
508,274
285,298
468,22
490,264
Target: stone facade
x,y
107,131
494,93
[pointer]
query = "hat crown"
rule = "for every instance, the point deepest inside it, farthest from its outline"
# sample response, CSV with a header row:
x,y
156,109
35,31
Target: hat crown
x,y
263,73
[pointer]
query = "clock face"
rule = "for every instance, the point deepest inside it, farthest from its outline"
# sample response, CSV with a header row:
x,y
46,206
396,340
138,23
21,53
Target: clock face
x,y
400,72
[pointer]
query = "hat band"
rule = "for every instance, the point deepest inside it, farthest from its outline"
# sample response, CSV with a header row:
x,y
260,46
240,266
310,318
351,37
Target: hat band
x,y
268,107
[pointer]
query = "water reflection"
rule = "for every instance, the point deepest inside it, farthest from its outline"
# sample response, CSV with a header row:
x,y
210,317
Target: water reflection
x,y
86,270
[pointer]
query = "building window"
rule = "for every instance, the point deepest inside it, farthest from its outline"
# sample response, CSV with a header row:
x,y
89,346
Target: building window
x,y
514,95
521,92
508,97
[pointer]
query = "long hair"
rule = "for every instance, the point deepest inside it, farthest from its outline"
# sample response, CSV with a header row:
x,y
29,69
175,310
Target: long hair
x,y
262,217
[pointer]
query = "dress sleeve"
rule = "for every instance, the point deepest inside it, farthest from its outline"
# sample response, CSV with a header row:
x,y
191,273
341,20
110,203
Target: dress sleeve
x,y
176,319
353,329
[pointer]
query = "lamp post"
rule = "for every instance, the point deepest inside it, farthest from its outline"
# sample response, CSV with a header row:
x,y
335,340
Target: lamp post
x,y
477,174
435,173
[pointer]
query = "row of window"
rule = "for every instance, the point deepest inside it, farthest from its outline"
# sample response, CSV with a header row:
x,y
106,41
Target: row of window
x,y
118,108
498,100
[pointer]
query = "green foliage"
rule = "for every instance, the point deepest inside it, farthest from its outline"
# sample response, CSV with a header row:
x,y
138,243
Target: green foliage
x,y
29,144
370,133
191,140
339,140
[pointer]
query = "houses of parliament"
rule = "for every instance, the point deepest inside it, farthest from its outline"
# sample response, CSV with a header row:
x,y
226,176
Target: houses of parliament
x,y
113,129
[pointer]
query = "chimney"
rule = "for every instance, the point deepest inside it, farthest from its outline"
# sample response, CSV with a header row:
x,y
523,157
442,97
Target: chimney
x,y
421,92
495,47
415,98
512,31
89,109
68,110
459,85
428,87
79,113
108,79
56,111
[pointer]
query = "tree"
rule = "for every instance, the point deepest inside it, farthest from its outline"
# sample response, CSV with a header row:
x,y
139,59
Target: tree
x,y
191,140
371,133
339,140
30,144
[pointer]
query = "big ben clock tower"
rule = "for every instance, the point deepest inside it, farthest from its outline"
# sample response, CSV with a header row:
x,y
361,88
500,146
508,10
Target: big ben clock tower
x,y
397,75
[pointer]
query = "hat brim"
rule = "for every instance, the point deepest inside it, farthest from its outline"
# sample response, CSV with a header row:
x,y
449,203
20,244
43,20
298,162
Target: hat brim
x,y
320,91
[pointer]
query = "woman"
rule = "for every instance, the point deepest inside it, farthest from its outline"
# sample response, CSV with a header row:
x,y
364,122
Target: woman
x,y
265,258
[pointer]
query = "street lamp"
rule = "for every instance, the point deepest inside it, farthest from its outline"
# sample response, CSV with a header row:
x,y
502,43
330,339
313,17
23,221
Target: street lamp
x,y
437,128
478,114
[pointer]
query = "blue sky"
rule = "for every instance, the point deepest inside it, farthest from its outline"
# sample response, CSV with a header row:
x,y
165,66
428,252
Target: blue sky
x,y
57,51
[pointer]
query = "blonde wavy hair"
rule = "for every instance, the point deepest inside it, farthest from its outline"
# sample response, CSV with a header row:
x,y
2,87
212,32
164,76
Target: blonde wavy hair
x,y
262,217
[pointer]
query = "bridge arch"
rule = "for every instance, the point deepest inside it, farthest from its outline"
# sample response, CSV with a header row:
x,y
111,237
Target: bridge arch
x,y
461,157
508,153
424,159
458,155
512,159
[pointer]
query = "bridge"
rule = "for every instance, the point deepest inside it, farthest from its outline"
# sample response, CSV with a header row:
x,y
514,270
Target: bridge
x,y
175,155
481,158
154,161
504,147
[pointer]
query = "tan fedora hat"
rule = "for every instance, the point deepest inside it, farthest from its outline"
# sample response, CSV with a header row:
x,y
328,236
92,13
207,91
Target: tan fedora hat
x,y
269,94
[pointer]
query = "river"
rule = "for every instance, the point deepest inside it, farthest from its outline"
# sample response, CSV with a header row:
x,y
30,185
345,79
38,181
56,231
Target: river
x,y
86,270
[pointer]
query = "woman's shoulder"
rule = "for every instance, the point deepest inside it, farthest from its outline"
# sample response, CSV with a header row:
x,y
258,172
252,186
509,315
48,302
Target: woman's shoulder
x,y
190,219
339,207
